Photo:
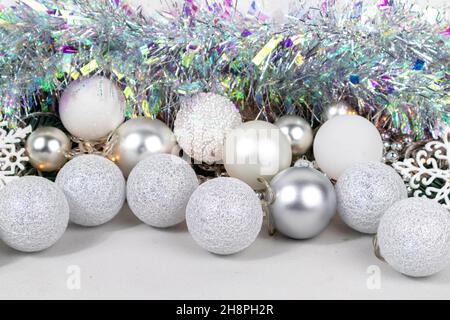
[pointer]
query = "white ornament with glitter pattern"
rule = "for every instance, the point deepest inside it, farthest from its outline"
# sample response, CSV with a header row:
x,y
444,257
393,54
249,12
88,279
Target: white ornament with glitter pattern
x,y
431,165
12,158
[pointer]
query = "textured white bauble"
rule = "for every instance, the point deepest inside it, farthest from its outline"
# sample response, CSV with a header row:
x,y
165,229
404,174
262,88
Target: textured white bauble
x,y
91,108
345,140
202,123
159,188
94,187
414,237
365,191
256,149
224,216
34,214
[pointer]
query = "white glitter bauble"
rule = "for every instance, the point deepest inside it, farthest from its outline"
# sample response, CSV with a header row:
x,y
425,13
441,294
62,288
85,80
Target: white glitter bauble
x,y
414,237
224,216
33,214
91,108
159,188
365,191
202,123
94,187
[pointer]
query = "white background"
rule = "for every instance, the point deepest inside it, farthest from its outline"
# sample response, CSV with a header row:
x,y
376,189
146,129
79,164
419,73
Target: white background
x,y
128,260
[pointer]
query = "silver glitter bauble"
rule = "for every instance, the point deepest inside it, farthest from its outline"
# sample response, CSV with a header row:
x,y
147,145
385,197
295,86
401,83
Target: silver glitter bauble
x,y
47,148
340,108
202,123
139,138
94,187
34,214
159,188
256,149
298,131
414,237
365,191
224,216
304,204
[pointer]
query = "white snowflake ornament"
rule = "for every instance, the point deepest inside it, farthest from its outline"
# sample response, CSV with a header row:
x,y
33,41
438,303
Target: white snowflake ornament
x,y
428,173
12,159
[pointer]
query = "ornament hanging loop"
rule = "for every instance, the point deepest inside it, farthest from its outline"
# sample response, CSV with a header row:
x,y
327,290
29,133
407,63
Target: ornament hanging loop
x,y
268,198
376,249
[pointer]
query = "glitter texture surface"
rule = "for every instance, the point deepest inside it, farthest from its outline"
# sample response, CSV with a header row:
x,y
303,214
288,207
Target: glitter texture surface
x,y
159,188
94,187
224,216
202,123
414,237
33,214
365,191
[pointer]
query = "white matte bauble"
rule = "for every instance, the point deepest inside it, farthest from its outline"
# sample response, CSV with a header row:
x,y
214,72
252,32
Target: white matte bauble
x,y
34,214
256,149
94,187
345,140
202,123
298,131
414,237
365,191
340,108
47,148
159,188
224,216
139,138
91,108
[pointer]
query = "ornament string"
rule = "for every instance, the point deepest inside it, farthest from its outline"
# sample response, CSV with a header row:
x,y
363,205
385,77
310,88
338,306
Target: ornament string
x,y
376,249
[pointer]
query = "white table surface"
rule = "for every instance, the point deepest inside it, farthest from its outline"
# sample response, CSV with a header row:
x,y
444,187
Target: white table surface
x,y
126,259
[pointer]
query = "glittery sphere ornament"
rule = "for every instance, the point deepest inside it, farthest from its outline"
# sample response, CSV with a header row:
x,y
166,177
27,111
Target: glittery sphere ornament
x,y
256,149
344,141
365,191
414,237
340,108
304,204
224,216
33,214
159,188
139,138
298,131
47,148
202,123
94,187
91,108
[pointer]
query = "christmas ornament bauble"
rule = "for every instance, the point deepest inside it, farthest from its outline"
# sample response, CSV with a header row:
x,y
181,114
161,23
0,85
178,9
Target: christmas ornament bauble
x,y
224,216
202,123
91,108
47,148
256,149
365,191
340,108
414,237
159,188
344,141
33,214
298,131
304,204
139,138
94,187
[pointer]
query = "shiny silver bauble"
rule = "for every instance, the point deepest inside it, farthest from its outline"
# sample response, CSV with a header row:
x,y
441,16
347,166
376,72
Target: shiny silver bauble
x,y
340,108
139,138
305,202
47,148
298,131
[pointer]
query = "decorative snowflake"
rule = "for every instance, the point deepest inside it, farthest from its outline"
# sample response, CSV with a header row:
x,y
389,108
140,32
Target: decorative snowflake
x,y
11,159
429,172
